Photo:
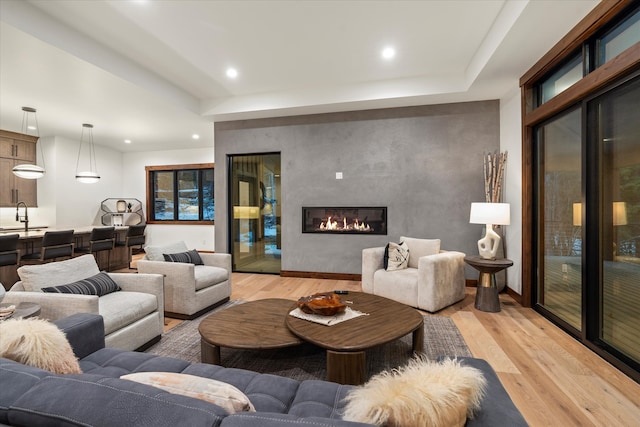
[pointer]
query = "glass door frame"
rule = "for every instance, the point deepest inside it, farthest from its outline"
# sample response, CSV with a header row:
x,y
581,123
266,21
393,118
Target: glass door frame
x,y
230,207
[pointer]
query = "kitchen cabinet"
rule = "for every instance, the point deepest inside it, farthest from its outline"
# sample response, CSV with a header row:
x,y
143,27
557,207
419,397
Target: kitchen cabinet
x,y
15,149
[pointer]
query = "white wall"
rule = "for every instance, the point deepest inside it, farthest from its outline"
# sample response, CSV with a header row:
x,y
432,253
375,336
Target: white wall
x,y
63,201
134,185
511,141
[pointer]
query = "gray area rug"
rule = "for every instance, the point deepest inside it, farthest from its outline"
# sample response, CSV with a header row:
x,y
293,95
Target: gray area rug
x,y
442,338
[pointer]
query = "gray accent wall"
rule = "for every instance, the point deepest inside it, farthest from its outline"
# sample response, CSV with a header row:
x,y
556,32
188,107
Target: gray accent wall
x,y
423,163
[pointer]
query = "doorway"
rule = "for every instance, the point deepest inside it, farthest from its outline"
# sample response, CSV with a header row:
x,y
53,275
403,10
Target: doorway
x,y
255,208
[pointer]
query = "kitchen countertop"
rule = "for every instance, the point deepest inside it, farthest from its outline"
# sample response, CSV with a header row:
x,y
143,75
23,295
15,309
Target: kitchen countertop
x,y
38,232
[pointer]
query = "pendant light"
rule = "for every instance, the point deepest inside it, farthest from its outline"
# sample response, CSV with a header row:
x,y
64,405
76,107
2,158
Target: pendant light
x,y
27,170
89,176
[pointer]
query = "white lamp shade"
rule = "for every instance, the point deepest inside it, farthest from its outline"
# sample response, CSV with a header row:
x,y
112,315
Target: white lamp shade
x,y
87,177
577,214
490,213
28,171
619,213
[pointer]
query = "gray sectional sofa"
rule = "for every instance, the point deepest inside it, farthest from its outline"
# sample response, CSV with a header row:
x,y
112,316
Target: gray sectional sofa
x,y
98,397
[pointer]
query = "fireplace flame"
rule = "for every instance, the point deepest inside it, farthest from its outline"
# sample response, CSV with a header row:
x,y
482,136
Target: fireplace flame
x,y
333,225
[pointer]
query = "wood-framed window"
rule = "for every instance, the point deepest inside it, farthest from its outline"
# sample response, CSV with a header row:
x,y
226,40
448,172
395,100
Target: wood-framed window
x,y
180,194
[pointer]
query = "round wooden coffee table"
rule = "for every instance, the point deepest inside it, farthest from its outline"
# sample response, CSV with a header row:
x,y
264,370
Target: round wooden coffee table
x,y
255,325
347,342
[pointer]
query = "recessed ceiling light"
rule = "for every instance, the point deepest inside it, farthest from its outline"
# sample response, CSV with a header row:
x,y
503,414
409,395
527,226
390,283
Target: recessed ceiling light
x,y
127,141
195,136
388,52
232,73
31,127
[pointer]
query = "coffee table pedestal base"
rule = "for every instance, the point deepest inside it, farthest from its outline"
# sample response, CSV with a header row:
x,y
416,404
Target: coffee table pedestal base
x,y
346,367
209,353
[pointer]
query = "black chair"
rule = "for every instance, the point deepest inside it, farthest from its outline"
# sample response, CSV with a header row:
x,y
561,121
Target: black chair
x,y
100,239
9,253
55,244
135,237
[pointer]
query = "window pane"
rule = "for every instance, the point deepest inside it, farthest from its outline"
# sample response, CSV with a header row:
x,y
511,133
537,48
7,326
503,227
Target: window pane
x,y
163,195
621,38
208,206
562,79
188,206
619,141
559,217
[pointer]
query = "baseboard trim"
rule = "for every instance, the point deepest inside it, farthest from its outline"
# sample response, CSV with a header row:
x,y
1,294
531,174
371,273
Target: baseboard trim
x,y
320,275
513,294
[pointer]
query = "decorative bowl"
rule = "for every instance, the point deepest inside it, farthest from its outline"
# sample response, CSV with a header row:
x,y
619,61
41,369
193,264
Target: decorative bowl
x,y
324,304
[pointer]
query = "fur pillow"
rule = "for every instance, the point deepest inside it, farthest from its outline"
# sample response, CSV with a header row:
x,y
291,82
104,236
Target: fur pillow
x,y
37,342
420,394
219,393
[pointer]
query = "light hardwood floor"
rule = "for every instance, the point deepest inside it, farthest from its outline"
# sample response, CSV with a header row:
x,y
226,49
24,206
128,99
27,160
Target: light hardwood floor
x,y
553,379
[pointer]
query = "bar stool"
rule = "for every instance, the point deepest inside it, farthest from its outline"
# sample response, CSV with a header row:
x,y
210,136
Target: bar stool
x,y
135,237
101,239
9,253
55,244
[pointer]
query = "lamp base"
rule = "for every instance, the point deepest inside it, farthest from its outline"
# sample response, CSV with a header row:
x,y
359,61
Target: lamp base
x,y
489,244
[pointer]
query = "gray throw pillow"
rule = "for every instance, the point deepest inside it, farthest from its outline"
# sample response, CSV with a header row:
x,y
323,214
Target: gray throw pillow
x,y
189,257
100,284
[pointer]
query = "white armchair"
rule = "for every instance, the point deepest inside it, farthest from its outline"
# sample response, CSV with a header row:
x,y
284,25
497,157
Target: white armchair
x,y
433,280
190,290
133,317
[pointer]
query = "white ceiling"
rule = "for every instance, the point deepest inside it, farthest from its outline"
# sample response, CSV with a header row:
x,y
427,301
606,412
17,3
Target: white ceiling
x,y
154,71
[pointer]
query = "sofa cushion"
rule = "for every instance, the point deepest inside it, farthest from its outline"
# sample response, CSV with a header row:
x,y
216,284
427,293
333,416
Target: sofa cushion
x,y
421,393
100,284
120,309
36,277
217,392
91,400
189,257
156,252
37,342
396,256
419,248
207,275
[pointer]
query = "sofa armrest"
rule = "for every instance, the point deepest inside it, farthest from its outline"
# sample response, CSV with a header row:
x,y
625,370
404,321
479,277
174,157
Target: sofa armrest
x,y
496,408
441,280
142,282
85,332
217,260
55,306
372,261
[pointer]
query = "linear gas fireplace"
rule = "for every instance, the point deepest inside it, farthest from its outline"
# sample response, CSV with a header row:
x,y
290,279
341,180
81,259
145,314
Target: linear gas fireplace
x,y
348,220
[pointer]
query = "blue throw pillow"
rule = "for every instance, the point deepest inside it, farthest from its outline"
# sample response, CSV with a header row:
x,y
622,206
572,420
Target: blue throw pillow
x,y
100,284
189,257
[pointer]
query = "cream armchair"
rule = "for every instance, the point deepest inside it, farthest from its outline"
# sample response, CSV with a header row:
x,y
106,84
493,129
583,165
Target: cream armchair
x,y
133,316
433,280
189,290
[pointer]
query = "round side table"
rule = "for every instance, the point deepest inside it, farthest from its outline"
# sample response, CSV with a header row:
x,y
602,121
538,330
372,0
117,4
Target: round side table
x,y
487,294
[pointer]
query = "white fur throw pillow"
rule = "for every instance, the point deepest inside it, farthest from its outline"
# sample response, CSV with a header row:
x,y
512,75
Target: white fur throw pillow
x,y
37,342
420,394
219,393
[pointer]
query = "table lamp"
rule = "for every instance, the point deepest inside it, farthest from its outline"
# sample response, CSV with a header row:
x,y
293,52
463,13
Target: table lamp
x,y
489,214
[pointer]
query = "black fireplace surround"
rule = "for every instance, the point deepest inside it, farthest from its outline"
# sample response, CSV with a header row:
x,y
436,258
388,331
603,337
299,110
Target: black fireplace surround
x,y
344,220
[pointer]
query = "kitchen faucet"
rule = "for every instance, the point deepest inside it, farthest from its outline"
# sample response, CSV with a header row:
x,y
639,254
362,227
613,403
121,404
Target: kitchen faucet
x,y
25,218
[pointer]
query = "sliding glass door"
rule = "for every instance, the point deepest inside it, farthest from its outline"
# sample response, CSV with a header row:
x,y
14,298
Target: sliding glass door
x,y
255,212
559,212
587,220
615,117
